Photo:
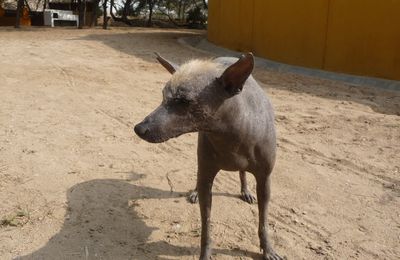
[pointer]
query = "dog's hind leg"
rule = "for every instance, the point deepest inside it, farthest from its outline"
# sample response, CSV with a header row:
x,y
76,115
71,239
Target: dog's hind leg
x,y
244,191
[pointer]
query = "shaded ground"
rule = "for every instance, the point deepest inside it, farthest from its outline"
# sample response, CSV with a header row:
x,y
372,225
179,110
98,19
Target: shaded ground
x,y
76,183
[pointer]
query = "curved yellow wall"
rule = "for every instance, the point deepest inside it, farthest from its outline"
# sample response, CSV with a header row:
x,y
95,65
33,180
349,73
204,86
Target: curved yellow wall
x,y
360,37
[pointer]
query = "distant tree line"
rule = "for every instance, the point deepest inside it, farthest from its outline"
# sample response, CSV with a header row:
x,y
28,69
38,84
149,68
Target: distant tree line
x,y
192,13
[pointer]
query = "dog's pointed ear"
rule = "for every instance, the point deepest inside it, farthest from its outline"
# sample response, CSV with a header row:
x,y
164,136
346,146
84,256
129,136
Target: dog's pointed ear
x,y
234,77
171,67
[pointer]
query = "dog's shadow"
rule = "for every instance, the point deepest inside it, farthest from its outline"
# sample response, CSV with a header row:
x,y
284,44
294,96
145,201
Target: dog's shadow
x,y
101,223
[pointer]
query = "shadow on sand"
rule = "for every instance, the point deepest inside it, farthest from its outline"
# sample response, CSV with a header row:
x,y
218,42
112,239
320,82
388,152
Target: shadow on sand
x,y
101,223
144,42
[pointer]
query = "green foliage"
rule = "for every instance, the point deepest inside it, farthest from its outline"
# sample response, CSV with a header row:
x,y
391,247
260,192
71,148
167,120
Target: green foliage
x,y
196,17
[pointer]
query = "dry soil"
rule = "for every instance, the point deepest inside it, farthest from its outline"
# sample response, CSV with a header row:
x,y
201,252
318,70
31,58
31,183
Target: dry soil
x,y
77,183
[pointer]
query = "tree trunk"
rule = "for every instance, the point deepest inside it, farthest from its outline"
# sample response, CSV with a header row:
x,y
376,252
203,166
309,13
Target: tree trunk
x,y
82,13
179,9
105,19
93,20
126,9
151,6
20,5
124,17
115,18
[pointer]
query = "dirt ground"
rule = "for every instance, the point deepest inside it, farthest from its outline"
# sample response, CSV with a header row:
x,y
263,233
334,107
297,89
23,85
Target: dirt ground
x,y
77,183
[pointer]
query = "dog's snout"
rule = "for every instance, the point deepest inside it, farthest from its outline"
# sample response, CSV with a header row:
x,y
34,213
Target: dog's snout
x,y
141,129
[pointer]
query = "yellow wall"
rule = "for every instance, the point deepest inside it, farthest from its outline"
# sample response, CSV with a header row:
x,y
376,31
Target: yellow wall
x,y
229,32
354,36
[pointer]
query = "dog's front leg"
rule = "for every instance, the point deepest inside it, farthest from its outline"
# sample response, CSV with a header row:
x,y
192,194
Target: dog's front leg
x,y
205,180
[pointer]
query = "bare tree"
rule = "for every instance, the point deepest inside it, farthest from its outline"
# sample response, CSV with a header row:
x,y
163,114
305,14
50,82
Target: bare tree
x,y
105,18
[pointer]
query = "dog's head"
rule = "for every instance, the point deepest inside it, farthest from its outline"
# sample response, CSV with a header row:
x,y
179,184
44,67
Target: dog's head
x,y
192,96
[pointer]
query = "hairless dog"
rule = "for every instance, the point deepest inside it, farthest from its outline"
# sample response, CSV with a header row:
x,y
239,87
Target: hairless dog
x,y
221,100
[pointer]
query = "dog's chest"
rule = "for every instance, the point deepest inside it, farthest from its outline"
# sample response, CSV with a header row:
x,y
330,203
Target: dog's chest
x,y
233,156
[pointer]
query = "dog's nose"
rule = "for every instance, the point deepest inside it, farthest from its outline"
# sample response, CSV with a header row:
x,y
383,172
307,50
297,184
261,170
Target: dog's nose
x,y
141,129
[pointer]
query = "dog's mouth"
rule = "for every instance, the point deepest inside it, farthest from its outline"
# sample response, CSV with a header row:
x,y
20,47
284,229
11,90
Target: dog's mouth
x,y
159,139
156,137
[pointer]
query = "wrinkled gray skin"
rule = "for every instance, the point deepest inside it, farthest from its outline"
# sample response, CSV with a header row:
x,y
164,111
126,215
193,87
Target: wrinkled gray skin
x,y
235,121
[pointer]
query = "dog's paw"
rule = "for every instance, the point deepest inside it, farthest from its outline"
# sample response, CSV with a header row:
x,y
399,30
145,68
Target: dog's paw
x,y
247,197
193,197
272,256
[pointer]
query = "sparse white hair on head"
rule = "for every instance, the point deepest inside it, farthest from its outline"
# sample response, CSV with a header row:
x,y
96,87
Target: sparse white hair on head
x,y
194,70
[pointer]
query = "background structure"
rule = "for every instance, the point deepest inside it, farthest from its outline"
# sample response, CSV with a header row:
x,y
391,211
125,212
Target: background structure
x,y
360,37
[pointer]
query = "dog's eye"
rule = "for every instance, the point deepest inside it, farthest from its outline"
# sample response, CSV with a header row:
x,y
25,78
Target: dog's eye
x,y
180,101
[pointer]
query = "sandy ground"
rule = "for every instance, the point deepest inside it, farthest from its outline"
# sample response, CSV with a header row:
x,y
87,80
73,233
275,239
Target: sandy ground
x,y
76,183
